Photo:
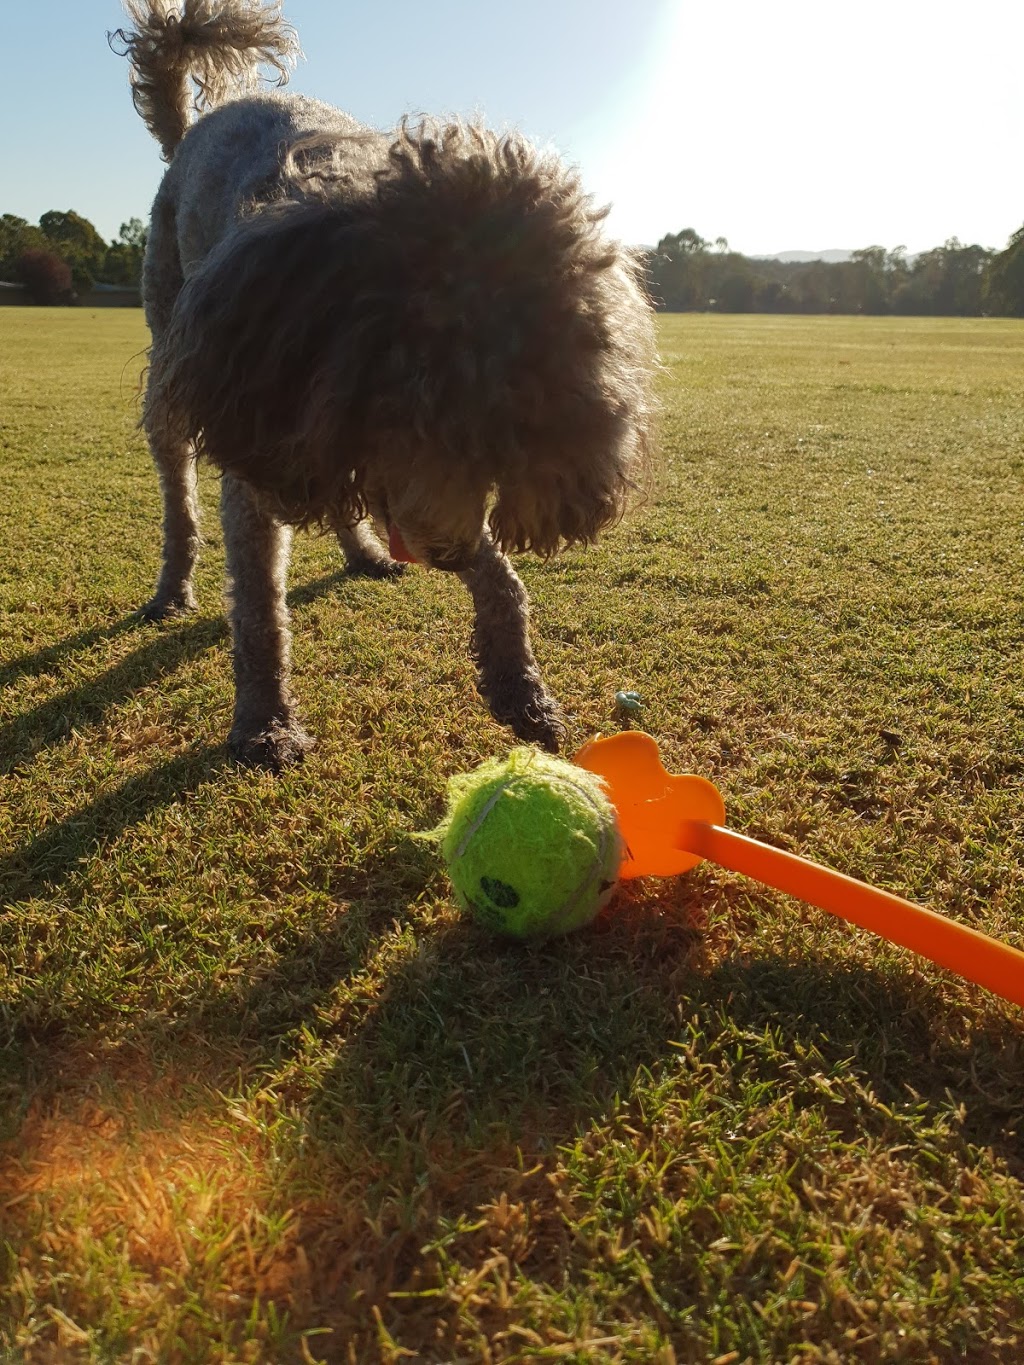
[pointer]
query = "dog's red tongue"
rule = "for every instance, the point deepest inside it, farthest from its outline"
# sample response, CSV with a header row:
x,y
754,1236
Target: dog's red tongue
x,y
396,546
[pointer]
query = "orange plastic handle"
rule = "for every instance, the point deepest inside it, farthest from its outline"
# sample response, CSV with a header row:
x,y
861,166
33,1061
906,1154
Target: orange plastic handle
x,y
971,954
670,823
650,802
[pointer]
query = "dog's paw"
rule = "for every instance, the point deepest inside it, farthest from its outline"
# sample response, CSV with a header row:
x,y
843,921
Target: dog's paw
x,y
273,747
530,711
366,567
166,608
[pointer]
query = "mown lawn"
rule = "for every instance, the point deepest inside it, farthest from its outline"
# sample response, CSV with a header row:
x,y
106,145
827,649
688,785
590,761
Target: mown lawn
x,y
265,1097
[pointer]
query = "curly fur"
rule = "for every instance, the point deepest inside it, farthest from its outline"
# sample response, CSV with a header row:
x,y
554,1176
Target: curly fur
x,y
429,328
217,44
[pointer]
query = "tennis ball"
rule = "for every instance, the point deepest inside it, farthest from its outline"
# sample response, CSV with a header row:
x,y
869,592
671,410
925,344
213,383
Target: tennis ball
x,y
532,844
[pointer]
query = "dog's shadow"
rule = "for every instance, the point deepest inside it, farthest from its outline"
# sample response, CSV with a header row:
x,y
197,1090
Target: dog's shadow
x,y
471,1032
467,1035
481,1074
474,1036
50,657
57,850
445,1041
164,649
61,848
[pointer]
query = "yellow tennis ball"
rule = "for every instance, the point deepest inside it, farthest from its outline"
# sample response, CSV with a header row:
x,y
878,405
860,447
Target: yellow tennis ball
x,y
532,844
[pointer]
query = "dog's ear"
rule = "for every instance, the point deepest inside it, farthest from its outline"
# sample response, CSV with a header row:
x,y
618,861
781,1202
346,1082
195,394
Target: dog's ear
x,y
531,327
244,365
576,488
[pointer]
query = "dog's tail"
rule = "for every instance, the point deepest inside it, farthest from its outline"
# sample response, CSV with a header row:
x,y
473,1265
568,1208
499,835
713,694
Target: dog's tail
x,y
217,45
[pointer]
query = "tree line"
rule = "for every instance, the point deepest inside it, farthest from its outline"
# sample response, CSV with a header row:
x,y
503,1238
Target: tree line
x,y
687,273
63,255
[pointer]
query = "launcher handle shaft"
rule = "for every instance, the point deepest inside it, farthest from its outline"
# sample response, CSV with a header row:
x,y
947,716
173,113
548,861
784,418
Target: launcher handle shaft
x,y
972,955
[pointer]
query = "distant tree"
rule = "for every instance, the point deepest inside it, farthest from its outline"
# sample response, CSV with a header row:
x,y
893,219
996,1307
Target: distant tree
x,y
46,277
687,272
122,263
946,281
773,296
16,237
1003,285
677,271
896,261
687,243
814,287
867,281
736,289
967,265
133,233
76,241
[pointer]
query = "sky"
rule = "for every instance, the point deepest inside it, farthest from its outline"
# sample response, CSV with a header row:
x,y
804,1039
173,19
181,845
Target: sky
x,y
777,124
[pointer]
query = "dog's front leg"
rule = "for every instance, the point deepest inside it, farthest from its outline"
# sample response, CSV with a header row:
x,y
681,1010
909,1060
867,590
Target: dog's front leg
x,y
364,555
509,679
265,731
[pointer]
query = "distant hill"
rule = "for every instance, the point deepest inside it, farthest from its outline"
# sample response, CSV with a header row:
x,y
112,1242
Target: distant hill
x,y
833,257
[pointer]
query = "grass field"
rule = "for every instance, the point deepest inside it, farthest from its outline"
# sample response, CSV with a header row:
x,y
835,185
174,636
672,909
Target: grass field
x,y
263,1095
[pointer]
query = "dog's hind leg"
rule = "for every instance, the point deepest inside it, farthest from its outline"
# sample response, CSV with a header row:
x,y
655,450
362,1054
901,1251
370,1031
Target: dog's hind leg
x,y
265,731
167,434
509,679
364,554
176,467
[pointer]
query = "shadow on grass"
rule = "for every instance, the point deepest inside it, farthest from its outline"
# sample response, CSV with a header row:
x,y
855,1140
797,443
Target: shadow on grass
x,y
52,656
22,738
473,1041
901,1039
478,1063
454,1080
167,649
470,1037
469,1040
57,852
261,1013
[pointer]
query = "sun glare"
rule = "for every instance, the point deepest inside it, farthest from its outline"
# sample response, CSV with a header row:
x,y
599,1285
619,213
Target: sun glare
x,y
812,127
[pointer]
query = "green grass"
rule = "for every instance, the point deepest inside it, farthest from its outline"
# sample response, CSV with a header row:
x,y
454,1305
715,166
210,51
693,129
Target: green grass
x,y
263,1095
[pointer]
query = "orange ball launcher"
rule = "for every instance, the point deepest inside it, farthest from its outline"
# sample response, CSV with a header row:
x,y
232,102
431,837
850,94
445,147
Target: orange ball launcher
x,y
671,823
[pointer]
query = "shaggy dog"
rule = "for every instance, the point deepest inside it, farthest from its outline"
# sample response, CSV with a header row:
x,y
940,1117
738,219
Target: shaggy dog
x,y
426,330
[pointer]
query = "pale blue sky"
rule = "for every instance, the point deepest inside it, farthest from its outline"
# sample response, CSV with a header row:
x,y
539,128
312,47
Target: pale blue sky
x,y
796,124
